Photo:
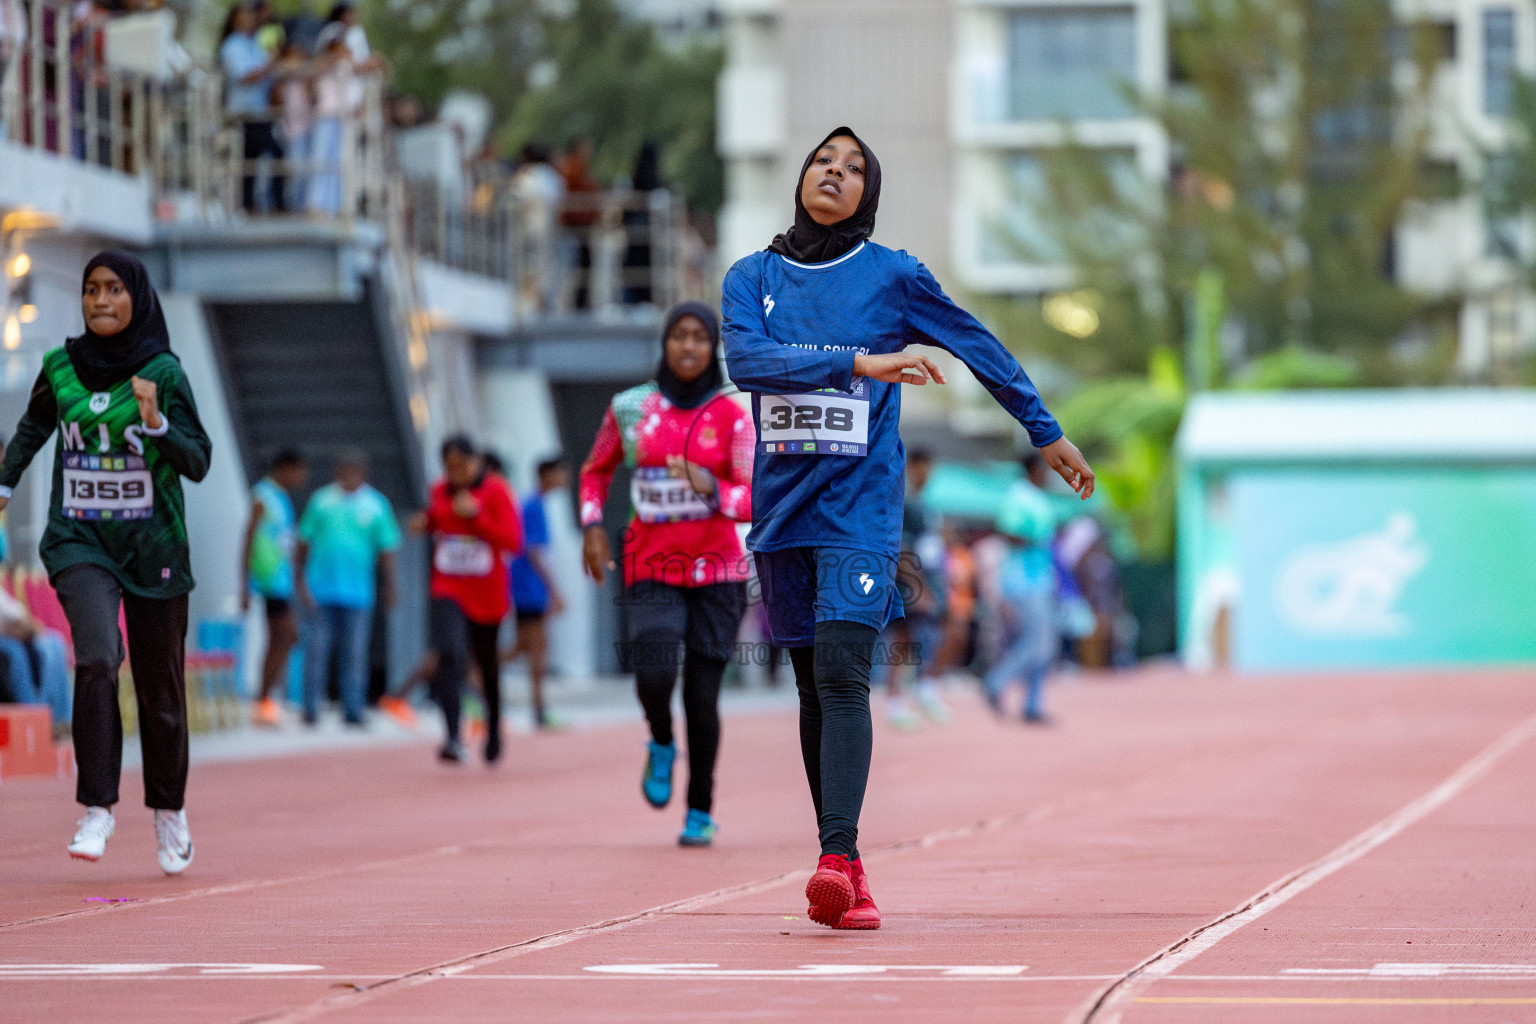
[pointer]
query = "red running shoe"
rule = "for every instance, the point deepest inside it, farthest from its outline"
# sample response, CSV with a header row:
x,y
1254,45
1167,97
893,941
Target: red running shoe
x,y
863,914
830,891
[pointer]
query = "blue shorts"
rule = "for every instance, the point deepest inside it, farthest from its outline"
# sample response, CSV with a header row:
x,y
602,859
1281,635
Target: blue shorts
x,y
804,586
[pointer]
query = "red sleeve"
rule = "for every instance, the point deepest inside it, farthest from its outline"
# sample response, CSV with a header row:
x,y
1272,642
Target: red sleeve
x,y
735,494
498,522
597,471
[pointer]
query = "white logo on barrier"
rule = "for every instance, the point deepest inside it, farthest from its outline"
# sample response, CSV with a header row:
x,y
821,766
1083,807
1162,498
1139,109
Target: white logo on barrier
x,y
805,970
96,970
1348,588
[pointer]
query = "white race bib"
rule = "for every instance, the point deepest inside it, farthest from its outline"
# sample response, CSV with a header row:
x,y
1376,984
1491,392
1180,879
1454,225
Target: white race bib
x,y
107,487
659,497
461,555
819,423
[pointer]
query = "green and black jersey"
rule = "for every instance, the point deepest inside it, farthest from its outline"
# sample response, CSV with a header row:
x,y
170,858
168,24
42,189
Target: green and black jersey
x,y
117,499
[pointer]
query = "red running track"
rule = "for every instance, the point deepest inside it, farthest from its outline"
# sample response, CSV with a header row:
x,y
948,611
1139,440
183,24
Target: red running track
x,y
1176,849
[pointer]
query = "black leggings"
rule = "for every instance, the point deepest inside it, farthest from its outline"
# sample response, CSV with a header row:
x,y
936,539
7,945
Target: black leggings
x,y
836,736
456,639
701,706
703,620
157,642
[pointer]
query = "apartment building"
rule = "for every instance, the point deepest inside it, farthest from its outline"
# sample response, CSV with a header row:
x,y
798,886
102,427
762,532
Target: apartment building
x,y
961,98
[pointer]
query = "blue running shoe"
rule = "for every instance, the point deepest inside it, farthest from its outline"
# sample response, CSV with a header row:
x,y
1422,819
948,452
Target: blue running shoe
x,y
698,830
656,783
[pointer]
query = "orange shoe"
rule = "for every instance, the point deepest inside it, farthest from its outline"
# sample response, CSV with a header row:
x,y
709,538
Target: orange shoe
x,y
398,709
830,891
267,712
863,914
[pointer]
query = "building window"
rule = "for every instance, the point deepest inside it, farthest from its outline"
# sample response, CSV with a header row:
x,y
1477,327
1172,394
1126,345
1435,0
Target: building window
x,y
1071,62
1498,61
1021,230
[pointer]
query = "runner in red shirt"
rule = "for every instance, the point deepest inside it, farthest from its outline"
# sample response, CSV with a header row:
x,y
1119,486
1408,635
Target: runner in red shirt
x,y
473,523
690,449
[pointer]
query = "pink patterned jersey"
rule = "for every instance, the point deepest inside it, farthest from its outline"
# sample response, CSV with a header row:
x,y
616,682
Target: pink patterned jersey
x,y
676,535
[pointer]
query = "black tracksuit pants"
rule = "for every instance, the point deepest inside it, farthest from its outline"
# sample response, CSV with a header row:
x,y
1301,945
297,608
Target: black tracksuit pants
x,y
157,653
457,639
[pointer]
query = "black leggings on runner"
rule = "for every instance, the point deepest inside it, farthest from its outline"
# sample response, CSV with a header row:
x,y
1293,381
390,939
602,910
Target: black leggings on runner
x,y
703,620
157,647
456,639
836,735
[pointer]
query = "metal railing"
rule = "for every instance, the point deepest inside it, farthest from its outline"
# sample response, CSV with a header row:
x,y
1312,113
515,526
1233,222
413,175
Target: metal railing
x,y
593,252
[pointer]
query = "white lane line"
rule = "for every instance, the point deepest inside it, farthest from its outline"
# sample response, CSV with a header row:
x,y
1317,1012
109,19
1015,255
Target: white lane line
x,y
233,887
1108,1005
456,967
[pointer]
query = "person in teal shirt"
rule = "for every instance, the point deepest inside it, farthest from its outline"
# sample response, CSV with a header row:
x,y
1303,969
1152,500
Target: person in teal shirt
x,y
1027,580
268,562
347,540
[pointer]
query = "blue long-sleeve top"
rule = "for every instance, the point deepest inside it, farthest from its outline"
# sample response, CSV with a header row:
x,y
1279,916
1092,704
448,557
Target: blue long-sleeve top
x,y
793,329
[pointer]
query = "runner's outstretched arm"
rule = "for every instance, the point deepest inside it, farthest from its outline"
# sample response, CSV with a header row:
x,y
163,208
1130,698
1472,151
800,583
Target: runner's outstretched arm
x,y
32,432
758,363
935,320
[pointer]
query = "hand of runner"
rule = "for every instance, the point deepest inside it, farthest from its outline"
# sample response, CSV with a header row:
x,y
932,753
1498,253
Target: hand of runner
x,y
700,479
556,602
465,506
301,593
417,524
147,395
596,554
1062,456
896,367
4,502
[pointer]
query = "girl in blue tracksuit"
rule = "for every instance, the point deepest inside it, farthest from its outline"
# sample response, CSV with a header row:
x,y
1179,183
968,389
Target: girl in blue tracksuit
x,y
816,328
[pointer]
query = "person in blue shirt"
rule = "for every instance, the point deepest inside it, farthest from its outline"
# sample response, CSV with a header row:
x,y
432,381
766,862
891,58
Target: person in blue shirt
x,y
816,329
348,537
248,81
268,569
534,593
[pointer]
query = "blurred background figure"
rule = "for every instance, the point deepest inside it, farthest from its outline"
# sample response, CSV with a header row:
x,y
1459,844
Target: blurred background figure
x,y
1027,586
1084,552
538,190
535,593
248,100
268,570
344,559
35,665
296,120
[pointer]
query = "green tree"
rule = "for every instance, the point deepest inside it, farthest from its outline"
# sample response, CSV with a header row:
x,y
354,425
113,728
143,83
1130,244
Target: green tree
x,y
557,72
1298,131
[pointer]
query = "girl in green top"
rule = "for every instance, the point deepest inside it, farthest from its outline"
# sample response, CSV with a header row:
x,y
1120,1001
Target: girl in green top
x,y
127,432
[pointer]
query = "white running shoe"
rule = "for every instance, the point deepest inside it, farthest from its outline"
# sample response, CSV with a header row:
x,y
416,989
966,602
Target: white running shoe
x,y
927,691
175,841
96,828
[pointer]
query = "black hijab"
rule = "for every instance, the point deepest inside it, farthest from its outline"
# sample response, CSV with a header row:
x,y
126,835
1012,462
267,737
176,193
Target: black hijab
x,y
809,242
693,393
101,363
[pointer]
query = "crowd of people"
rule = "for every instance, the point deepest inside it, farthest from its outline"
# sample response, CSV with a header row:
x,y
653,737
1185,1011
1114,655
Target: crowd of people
x,y
293,88
817,468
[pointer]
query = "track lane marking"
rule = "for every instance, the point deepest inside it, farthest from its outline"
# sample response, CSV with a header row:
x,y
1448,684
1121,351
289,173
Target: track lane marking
x,y
232,887
1108,1005
457,966
1340,1001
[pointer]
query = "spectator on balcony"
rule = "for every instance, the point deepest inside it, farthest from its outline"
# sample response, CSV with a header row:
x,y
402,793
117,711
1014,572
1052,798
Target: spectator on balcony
x,y
344,24
333,87
538,191
578,217
269,33
638,226
13,38
295,92
248,99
